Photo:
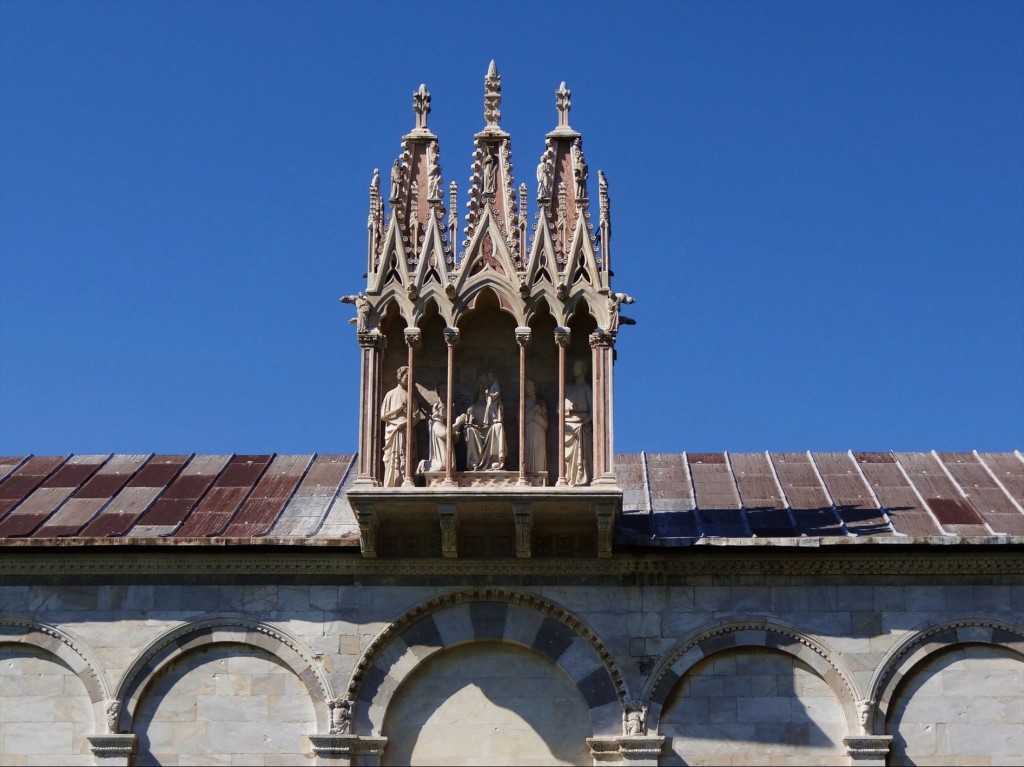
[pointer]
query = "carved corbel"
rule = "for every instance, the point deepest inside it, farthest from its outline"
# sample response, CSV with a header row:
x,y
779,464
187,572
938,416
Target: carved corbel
x,y
368,526
562,291
523,517
868,750
371,339
600,339
449,530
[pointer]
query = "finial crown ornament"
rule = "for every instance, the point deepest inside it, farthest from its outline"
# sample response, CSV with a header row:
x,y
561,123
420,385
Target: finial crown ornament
x,y
492,96
421,106
563,103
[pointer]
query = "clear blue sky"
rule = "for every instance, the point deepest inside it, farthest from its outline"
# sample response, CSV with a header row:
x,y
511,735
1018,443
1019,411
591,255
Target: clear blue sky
x,y
818,206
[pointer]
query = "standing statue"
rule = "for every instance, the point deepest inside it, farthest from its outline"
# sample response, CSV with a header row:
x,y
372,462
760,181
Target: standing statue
x,y
580,171
536,430
484,428
394,413
545,175
579,430
434,179
490,173
614,301
396,182
362,304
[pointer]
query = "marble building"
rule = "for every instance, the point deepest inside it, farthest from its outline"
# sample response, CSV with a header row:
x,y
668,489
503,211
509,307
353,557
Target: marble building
x,y
485,581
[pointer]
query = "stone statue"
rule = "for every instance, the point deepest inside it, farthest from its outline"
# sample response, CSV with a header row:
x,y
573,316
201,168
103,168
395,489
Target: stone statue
x,y
490,170
362,304
113,713
545,175
375,181
484,428
434,179
580,171
437,435
614,300
864,715
579,430
634,719
396,182
536,430
341,716
394,413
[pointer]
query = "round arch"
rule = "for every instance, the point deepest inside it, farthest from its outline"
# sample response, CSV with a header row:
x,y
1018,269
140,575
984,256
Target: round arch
x,y
70,651
764,633
172,645
922,644
486,614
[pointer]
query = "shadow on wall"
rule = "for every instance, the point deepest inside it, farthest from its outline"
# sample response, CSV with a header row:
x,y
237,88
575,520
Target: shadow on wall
x,y
227,703
487,703
965,703
753,706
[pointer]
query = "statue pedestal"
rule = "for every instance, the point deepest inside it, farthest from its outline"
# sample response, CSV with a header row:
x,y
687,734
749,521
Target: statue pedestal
x,y
638,750
868,750
485,478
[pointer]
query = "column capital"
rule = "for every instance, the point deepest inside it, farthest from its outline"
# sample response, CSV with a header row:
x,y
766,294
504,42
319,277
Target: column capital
x,y
371,339
563,336
452,336
413,337
601,340
523,336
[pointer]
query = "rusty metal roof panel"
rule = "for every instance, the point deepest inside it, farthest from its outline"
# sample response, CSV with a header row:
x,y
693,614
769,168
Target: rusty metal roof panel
x,y
1007,468
852,497
232,487
244,470
723,523
159,471
9,463
259,513
984,494
308,507
122,512
898,497
27,477
669,482
811,507
629,474
341,520
76,471
713,484
111,477
943,498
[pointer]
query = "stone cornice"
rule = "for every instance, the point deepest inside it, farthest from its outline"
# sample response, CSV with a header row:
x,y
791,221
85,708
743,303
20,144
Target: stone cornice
x,y
236,562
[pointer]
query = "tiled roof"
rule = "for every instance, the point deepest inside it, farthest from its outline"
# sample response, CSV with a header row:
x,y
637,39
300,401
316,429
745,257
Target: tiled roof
x,y
668,499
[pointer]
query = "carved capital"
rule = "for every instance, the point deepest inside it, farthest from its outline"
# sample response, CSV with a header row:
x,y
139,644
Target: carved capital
x,y
413,336
524,528
601,340
371,339
636,750
523,336
562,337
112,749
868,750
449,530
451,336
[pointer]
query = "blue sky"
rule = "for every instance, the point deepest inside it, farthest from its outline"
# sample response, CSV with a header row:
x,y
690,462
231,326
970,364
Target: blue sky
x,y
818,206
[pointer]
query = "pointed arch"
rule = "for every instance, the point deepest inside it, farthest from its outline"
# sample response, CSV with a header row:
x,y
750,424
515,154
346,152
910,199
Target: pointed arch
x,y
581,265
543,266
460,617
433,265
234,629
487,256
765,633
393,268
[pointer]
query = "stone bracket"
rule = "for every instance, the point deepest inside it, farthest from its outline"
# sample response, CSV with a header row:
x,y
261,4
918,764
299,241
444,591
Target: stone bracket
x,y
523,517
605,525
113,750
449,519
868,750
368,525
638,750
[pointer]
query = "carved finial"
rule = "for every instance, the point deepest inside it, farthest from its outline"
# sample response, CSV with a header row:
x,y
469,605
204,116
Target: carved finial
x,y
563,104
492,96
421,106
